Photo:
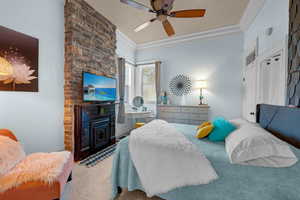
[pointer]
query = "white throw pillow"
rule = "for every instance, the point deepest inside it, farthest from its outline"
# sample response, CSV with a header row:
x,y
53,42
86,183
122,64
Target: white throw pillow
x,y
252,145
11,153
238,122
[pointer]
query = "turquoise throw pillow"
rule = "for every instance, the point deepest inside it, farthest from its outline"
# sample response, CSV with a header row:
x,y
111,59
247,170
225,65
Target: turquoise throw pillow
x,y
222,128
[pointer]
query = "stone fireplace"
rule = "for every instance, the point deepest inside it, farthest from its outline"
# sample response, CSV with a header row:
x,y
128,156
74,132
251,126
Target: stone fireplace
x,y
90,45
293,92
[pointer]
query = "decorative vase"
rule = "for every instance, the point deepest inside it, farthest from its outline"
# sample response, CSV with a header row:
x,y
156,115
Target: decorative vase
x,y
165,100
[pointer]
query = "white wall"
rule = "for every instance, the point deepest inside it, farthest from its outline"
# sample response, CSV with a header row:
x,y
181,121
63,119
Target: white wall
x,y
37,118
218,60
275,13
126,49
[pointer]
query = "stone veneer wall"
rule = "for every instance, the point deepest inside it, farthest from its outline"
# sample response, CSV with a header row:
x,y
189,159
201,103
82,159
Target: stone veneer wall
x,y
293,97
90,46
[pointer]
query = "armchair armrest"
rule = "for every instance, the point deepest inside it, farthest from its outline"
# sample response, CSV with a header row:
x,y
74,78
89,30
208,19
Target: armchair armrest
x,y
8,133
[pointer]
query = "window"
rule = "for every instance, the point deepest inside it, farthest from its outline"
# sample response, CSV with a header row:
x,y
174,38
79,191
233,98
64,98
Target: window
x,y
129,83
140,81
147,77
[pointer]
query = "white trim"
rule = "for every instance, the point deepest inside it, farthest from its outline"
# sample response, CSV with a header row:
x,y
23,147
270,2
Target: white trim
x,y
131,43
211,33
145,62
126,59
252,10
130,61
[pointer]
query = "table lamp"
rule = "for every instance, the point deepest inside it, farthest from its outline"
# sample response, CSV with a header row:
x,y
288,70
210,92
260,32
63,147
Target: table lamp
x,y
201,84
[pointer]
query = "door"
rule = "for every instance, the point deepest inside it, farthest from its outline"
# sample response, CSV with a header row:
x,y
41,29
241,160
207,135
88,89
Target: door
x,y
272,81
250,90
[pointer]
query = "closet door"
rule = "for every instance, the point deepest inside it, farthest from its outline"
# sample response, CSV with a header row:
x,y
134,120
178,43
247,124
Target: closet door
x,y
272,81
250,92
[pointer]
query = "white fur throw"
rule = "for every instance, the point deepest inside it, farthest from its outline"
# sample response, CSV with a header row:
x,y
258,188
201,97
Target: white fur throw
x,y
165,159
11,153
45,167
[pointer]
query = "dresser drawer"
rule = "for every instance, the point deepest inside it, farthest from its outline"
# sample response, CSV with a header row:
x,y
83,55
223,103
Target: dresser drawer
x,y
181,121
178,121
196,122
199,116
194,110
164,115
177,115
169,109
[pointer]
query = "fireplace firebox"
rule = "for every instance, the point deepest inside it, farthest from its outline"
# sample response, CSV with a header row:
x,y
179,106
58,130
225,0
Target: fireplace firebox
x,y
94,129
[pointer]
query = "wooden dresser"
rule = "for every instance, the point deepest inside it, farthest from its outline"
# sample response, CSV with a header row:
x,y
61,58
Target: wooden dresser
x,y
194,115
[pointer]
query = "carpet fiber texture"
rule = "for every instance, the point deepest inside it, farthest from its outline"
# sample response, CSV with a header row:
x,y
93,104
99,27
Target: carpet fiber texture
x,y
94,184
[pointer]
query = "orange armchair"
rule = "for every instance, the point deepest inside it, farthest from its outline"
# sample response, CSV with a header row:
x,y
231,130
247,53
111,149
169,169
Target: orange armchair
x,y
8,133
38,190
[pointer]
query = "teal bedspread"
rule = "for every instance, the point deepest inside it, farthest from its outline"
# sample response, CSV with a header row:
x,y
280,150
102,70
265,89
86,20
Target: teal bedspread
x,y
236,182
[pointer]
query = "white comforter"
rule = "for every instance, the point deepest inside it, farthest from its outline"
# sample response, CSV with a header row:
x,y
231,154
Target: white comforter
x,y
165,159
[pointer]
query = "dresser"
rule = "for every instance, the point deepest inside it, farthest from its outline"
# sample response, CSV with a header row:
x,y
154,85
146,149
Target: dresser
x,y
194,115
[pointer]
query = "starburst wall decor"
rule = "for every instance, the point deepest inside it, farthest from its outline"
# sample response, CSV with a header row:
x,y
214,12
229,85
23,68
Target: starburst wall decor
x,y
18,61
180,85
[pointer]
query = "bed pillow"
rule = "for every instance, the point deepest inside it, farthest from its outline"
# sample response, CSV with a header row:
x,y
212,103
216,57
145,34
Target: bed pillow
x,y
238,122
11,153
252,145
204,132
208,123
222,128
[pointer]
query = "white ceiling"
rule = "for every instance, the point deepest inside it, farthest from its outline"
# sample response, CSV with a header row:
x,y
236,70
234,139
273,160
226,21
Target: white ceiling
x,y
219,13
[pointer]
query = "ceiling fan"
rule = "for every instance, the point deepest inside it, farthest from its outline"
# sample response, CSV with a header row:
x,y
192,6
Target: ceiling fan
x,y
162,9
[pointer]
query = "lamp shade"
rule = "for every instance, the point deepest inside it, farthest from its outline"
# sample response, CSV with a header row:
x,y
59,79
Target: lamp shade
x,y
201,84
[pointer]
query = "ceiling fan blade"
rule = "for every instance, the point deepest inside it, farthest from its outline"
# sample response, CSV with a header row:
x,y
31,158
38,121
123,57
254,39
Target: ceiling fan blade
x,y
157,4
168,28
188,13
143,26
137,5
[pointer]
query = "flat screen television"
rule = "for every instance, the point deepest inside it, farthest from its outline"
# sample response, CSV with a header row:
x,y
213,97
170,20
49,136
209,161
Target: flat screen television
x,y
98,88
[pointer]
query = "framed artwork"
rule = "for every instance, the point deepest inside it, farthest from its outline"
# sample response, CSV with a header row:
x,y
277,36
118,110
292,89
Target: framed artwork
x,y
18,61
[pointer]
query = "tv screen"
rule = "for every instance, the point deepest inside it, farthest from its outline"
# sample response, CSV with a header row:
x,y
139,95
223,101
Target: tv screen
x,y
98,88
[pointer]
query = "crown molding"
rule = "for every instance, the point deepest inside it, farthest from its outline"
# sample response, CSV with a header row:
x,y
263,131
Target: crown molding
x,y
124,37
205,34
251,12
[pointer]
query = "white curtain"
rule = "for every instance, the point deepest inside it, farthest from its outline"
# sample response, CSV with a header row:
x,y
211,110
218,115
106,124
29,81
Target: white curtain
x,y
121,73
157,81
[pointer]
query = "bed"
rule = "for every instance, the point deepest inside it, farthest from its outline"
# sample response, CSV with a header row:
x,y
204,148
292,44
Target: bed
x,y
236,181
